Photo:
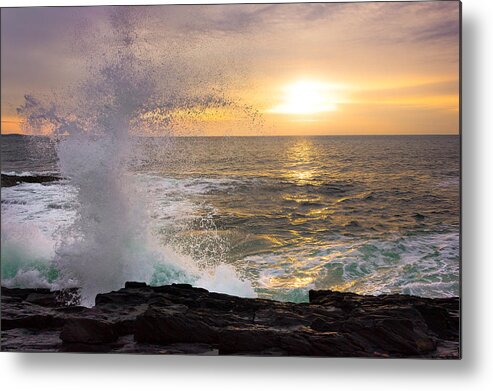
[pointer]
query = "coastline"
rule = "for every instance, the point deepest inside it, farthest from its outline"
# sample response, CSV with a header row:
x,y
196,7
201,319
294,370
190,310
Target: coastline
x,y
14,180
181,319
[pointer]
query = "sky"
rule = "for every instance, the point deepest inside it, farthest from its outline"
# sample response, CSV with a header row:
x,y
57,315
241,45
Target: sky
x,y
304,69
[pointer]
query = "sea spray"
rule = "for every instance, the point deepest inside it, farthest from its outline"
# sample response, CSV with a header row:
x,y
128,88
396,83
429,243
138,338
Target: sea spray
x,y
96,132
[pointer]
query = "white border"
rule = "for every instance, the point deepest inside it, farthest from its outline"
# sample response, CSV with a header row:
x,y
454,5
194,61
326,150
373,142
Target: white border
x,y
22,371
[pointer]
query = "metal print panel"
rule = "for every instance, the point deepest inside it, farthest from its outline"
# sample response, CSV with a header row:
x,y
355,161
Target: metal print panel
x,y
254,179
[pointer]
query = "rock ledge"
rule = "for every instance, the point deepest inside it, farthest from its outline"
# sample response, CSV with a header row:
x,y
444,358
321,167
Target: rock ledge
x,y
181,319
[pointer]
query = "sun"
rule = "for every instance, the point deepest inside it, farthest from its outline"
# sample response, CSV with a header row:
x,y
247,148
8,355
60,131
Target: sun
x,y
306,97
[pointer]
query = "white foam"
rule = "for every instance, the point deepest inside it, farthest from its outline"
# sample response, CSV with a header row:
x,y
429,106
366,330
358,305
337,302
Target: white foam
x,y
15,173
108,238
424,264
27,279
224,279
27,240
27,173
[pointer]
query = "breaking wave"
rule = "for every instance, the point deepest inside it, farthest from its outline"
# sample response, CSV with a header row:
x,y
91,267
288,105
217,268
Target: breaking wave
x,y
108,240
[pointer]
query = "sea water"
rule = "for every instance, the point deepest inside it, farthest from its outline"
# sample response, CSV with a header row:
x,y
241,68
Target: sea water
x,y
254,216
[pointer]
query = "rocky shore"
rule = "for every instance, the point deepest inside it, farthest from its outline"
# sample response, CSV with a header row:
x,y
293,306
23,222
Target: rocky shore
x,y
13,180
180,319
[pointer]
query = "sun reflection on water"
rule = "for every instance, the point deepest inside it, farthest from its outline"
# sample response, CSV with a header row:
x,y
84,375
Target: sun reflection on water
x,y
301,163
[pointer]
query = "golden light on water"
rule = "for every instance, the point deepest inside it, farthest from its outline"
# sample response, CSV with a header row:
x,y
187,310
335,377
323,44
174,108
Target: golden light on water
x,y
306,97
300,162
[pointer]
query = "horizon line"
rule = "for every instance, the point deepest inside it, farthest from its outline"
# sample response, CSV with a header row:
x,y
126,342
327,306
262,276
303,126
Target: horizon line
x,y
272,135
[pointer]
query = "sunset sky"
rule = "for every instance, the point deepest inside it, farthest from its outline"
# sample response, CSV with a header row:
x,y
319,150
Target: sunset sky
x,y
355,68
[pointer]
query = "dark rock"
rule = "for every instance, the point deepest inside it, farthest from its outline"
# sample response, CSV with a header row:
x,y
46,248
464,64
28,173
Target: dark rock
x,y
135,285
88,331
22,293
37,321
30,340
173,324
181,319
86,348
43,299
439,320
18,313
253,340
13,180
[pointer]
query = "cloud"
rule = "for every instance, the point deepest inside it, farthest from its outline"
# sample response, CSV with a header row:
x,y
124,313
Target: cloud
x,y
249,49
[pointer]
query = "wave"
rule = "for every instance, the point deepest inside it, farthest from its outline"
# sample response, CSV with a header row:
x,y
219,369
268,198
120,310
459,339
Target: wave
x,y
29,173
422,264
185,245
43,213
30,264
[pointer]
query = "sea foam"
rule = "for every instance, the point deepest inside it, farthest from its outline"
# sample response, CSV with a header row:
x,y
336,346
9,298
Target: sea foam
x,y
109,240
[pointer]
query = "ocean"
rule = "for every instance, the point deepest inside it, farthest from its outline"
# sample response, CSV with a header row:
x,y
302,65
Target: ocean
x,y
364,214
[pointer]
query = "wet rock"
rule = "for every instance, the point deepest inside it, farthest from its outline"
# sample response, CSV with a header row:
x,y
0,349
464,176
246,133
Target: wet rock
x,y
173,324
135,285
88,331
181,319
29,340
19,313
13,180
23,293
43,299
